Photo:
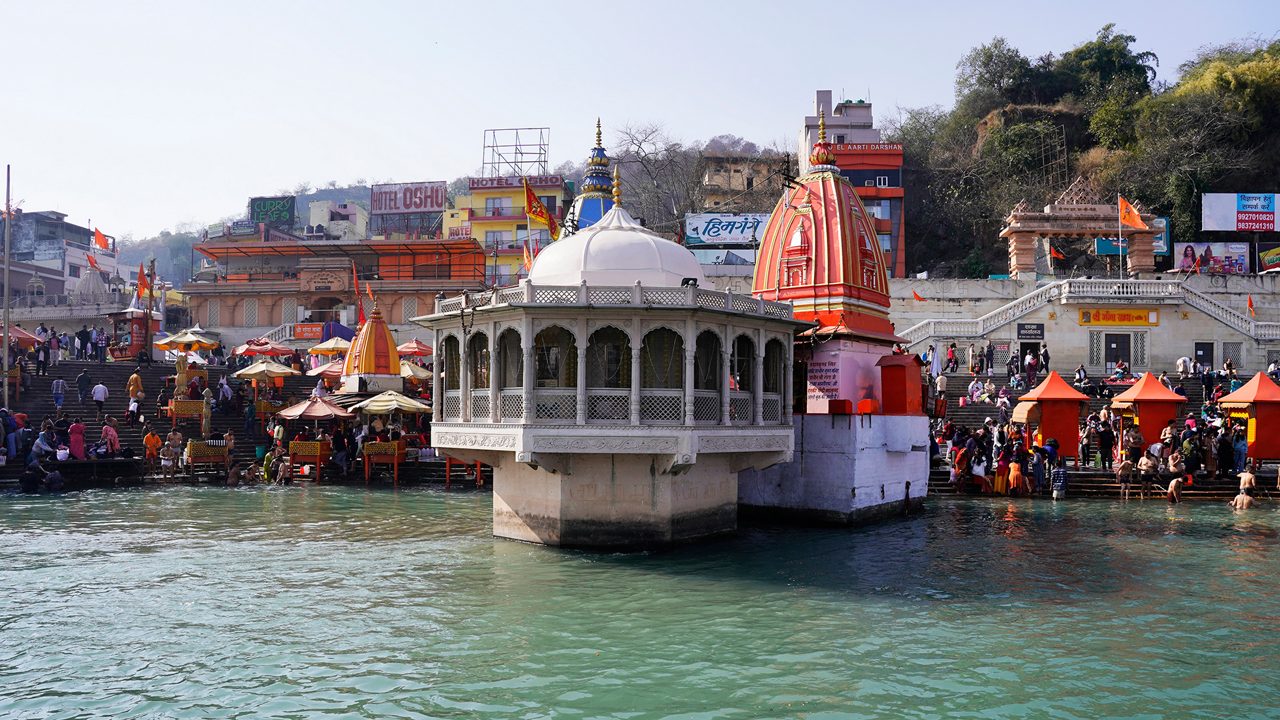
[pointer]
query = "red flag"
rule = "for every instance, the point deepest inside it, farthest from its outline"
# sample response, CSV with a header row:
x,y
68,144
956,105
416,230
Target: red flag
x,y
1056,254
1129,216
1196,268
369,290
534,208
528,256
100,240
1252,313
355,278
916,295
93,263
143,283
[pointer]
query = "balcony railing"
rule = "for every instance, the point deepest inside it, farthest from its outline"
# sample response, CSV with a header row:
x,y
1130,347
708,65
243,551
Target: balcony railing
x,y
496,214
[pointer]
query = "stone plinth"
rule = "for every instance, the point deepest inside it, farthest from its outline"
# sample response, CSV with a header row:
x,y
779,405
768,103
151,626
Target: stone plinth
x,y
1022,254
1140,248
846,470
613,501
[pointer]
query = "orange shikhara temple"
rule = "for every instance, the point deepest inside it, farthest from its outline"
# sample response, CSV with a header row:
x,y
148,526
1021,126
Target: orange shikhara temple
x,y
820,252
1257,402
373,362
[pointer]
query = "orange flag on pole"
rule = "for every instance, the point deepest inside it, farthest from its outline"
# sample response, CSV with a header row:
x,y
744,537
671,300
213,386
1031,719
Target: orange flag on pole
x,y
100,240
143,283
93,263
355,279
916,295
1129,216
1056,254
1252,312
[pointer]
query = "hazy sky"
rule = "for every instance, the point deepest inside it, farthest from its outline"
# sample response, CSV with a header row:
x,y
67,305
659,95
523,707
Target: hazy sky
x,y
145,115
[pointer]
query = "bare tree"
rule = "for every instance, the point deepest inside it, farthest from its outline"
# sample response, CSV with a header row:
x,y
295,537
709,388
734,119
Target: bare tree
x,y
660,175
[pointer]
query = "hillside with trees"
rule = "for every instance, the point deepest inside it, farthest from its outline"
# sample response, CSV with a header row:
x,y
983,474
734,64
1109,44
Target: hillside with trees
x,y
1098,111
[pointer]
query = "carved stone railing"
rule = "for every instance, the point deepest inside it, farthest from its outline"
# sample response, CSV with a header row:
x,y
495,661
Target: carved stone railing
x,y
280,333
480,405
557,404
529,294
1092,290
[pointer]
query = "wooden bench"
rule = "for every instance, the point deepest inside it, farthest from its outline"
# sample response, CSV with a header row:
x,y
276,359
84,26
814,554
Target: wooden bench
x,y
302,452
387,453
179,409
205,453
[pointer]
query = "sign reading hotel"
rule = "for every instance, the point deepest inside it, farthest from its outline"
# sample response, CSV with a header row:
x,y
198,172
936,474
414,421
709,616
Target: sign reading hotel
x,y
1242,212
1107,317
405,198
724,228
513,182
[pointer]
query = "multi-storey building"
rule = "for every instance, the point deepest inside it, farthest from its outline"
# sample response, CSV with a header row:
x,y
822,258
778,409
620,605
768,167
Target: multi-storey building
x,y
493,216
872,166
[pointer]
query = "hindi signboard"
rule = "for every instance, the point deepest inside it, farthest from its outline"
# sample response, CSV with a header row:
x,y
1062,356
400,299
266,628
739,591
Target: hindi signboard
x,y
1244,212
1159,242
724,228
1216,258
308,331
1030,331
1119,316
403,198
272,210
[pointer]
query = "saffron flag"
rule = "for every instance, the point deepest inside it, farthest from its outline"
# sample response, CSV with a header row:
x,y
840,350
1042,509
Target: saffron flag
x,y
1129,216
916,295
143,283
369,290
100,240
93,263
528,256
1252,312
1056,254
534,208
1196,267
355,280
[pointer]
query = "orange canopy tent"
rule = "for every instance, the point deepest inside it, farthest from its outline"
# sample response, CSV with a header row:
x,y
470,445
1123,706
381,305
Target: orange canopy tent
x,y
1151,405
22,337
1059,405
1257,402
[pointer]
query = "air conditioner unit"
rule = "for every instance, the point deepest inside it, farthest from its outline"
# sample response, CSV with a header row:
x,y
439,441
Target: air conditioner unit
x,y
869,183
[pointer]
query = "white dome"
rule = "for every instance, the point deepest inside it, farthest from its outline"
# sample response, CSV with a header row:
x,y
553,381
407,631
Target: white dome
x,y
615,251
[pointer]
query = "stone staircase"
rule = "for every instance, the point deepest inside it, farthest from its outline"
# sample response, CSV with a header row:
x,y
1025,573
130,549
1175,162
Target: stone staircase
x,y
1097,484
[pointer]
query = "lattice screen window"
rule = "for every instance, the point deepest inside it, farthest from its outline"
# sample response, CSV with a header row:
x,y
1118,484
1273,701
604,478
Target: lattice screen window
x,y
213,313
289,310
410,308
1233,351
368,306
1273,356
250,312
1140,349
1095,348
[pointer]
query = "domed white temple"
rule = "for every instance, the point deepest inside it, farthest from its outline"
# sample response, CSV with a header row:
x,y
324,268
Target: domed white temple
x,y
615,396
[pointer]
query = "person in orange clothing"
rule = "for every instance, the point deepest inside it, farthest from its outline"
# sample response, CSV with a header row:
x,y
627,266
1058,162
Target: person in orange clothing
x,y
152,442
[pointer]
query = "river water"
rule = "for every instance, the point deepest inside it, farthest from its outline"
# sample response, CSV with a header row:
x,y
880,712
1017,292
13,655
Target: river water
x,y
336,602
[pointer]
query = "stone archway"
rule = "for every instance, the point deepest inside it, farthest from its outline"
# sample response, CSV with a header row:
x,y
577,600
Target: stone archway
x,y
1078,216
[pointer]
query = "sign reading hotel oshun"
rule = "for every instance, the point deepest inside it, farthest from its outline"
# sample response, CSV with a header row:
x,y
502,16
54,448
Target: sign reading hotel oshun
x,y
1243,212
724,228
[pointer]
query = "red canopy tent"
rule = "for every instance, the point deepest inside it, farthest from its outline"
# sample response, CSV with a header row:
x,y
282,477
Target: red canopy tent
x,y
1151,405
414,347
263,346
315,409
22,337
1059,407
1258,404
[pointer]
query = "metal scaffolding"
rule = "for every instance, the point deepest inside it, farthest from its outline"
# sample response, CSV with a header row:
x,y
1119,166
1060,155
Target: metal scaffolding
x,y
516,151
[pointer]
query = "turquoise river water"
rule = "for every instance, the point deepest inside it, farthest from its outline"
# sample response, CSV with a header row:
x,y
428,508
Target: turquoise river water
x,y
337,602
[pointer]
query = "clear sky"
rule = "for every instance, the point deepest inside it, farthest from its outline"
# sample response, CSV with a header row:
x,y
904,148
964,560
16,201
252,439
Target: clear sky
x,y
145,115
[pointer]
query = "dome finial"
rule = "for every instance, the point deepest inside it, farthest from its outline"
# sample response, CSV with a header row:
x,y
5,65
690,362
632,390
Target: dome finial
x,y
822,126
598,133
617,187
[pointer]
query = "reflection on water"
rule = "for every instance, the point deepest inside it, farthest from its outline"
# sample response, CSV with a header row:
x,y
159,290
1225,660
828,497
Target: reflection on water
x,y
192,602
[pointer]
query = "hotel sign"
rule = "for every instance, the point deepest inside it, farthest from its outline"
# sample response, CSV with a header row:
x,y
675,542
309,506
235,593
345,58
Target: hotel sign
x,y
404,198
863,147
460,232
513,181
1105,317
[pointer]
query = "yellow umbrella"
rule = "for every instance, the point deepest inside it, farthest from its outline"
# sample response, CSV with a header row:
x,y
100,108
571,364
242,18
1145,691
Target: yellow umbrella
x,y
186,340
332,346
264,369
417,372
389,402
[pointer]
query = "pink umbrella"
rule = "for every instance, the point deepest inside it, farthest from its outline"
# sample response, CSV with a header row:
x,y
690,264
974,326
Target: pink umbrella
x,y
263,346
329,371
415,348
314,409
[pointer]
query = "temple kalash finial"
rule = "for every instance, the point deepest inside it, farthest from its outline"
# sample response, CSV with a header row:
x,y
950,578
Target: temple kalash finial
x,y
822,157
598,140
617,187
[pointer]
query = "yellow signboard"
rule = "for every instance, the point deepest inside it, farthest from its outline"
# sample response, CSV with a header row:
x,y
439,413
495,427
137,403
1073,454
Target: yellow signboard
x,y
1119,316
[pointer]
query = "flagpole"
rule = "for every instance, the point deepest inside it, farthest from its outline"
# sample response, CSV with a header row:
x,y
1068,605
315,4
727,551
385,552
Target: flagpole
x,y
151,304
1120,234
8,220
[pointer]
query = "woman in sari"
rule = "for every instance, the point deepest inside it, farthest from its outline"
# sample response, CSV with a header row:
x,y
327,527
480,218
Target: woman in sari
x,y
1001,485
1017,481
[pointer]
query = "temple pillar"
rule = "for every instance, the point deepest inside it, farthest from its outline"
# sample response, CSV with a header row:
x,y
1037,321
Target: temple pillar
x,y
690,351
757,385
526,353
1022,253
1140,248
494,403
726,358
635,382
437,376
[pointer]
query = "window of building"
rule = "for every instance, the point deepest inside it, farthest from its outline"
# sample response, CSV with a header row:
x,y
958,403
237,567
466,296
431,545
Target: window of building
x,y
840,139
73,271
886,242
882,181
550,202
751,182
497,239
497,206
